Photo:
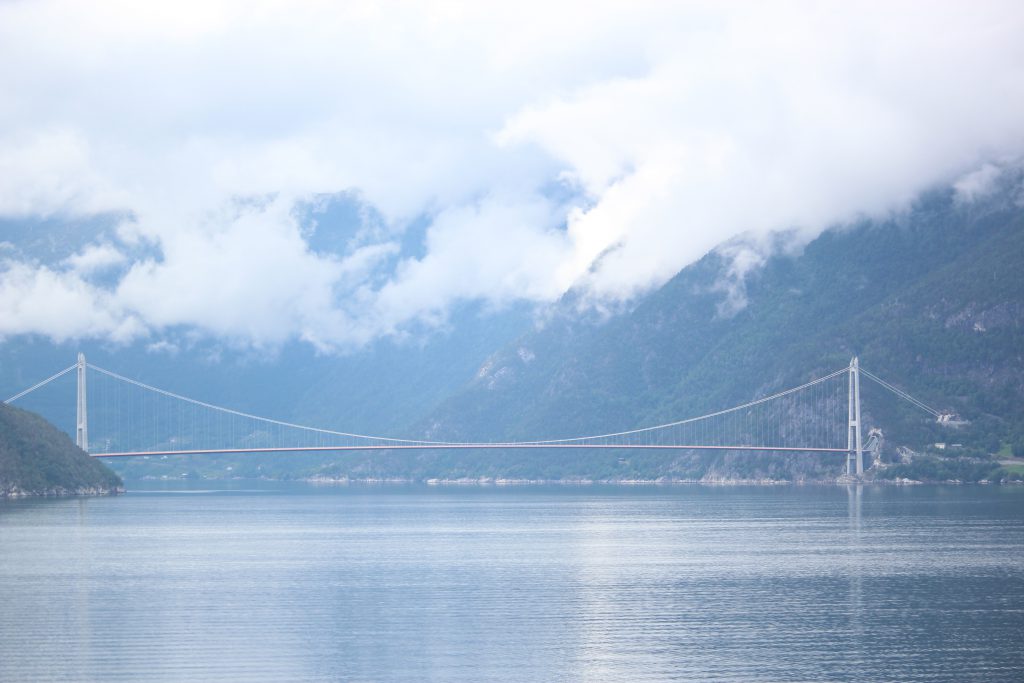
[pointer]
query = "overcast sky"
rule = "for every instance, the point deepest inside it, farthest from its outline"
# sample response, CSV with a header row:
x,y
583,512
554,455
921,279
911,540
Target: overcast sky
x,y
543,145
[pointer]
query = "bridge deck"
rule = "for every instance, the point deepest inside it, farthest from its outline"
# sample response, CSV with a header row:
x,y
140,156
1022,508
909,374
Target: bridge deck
x,y
464,446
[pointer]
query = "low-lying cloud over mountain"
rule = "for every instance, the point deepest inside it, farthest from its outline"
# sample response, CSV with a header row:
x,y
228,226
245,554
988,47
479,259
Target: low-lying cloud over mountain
x,y
496,153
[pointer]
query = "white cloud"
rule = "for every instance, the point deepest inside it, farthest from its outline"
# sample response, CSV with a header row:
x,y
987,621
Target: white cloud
x,y
791,117
742,258
496,250
243,277
61,305
96,258
673,126
45,171
978,183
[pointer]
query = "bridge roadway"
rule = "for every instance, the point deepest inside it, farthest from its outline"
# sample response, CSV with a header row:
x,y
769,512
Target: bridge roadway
x,y
464,446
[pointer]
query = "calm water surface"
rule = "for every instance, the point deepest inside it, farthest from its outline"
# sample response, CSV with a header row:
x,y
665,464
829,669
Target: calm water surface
x,y
236,581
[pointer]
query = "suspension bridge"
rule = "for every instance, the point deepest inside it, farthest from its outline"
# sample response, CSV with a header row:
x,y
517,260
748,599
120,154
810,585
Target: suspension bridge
x,y
117,416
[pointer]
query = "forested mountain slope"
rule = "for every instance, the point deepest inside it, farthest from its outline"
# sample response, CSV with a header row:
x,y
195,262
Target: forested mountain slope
x,y
379,389
36,458
932,300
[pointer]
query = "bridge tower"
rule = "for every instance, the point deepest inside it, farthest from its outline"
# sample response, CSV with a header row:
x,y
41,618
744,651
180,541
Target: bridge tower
x,y
82,415
854,447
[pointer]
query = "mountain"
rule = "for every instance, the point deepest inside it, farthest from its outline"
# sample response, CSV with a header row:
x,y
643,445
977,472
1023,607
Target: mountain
x,y
37,459
379,389
382,388
932,299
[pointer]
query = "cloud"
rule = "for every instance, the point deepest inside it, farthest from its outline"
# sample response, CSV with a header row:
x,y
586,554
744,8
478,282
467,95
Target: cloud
x,y
95,258
46,171
246,276
524,148
978,183
495,250
794,117
742,258
60,305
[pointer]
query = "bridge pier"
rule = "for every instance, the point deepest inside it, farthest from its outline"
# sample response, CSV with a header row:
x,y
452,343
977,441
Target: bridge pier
x,y
854,446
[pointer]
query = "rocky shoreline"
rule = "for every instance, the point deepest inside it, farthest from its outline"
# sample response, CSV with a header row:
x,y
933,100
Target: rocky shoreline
x,y
60,492
497,481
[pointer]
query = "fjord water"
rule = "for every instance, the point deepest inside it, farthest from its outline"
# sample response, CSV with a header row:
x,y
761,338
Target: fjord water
x,y
292,582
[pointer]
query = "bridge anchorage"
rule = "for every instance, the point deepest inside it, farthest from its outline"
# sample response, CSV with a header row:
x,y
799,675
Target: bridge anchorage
x,y
117,416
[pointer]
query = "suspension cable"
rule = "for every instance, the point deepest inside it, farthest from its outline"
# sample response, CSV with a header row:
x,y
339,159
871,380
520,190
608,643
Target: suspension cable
x,y
42,384
696,419
902,394
238,413
456,443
